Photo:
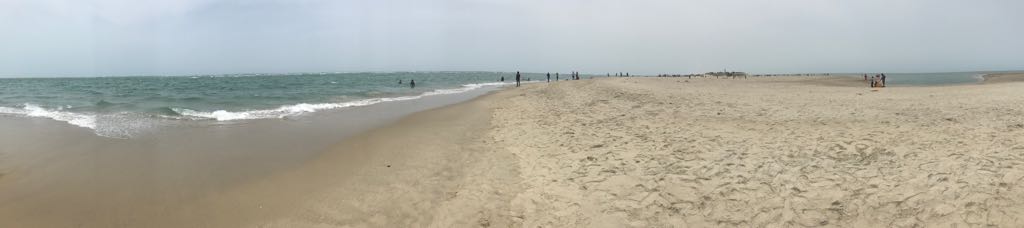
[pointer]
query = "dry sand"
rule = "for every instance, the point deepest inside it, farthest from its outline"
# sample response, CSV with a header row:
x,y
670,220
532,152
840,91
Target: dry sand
x,y
651,152
673,152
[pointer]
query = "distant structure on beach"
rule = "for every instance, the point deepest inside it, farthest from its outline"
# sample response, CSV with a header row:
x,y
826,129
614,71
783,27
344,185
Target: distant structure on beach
x,y
724,73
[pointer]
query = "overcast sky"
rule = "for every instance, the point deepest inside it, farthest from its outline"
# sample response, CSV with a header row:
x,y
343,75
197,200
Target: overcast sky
x,y
175,37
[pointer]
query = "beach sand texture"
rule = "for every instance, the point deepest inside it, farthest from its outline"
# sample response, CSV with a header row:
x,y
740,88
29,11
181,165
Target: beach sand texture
x,y
666,152
671,152
644,152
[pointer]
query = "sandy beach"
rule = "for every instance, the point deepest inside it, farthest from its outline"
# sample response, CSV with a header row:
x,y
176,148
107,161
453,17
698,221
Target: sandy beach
x,y
655,152
670,152
510,113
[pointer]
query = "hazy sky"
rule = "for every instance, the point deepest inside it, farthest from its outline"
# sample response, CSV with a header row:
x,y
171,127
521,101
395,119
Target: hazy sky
x,y
173,37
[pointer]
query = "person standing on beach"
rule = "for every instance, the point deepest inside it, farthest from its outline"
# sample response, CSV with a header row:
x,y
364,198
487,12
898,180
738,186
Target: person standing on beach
x,y
399,81
883,79
412,83
502,79
517,78
549,77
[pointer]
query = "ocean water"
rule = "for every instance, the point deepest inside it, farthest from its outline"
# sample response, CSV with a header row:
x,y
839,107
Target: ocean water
x,y
931,79
122,106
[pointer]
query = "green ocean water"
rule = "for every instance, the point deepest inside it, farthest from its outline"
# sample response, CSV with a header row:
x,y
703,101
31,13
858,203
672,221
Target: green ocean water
x,y
121,106
118,106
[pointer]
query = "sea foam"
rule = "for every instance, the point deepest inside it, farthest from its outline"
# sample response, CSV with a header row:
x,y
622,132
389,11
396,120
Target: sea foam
x,y
32,110
127,124
302,108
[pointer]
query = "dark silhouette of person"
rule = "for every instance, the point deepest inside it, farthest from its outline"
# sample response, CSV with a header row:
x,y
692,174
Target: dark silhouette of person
x,y
412,83
556,76
502,78
517,78
399,81
883,80
549,77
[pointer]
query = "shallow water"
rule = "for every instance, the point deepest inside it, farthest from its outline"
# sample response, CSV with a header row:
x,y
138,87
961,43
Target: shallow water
x,y
933,79
53,174
121,107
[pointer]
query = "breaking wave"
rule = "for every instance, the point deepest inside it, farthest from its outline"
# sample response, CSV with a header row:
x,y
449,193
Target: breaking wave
x,y
126,124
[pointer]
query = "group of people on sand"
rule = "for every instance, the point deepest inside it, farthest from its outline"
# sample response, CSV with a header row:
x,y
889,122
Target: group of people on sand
x,y
575,76
877,81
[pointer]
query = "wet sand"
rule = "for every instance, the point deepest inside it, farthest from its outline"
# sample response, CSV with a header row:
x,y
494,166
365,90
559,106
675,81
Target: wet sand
x,y
836,81
58,175
652,152
1003,78
432,169
669,152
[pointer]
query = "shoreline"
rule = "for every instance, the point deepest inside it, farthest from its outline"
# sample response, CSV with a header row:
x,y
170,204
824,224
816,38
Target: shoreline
x,y
435,168
611,152
110,124
172,178
634,152
1002,78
